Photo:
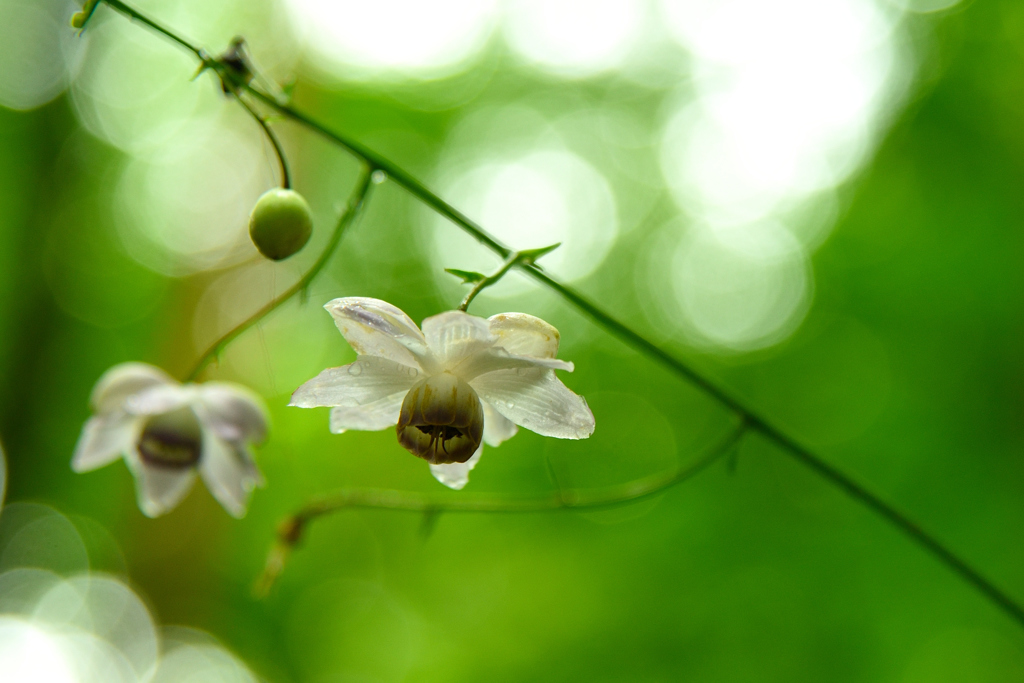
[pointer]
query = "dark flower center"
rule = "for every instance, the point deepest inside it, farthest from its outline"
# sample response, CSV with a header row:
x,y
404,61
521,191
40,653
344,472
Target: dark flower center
x,y
441,421
173,440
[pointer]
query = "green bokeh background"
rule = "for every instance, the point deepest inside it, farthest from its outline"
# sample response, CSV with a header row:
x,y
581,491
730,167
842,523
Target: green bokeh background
x,y
908,371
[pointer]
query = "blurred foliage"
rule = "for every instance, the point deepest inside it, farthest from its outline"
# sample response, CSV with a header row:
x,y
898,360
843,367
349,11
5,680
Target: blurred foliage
x,y
907,371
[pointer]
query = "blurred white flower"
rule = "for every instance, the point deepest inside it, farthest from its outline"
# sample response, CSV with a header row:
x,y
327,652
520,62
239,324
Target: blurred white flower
x,y
166,431
461,382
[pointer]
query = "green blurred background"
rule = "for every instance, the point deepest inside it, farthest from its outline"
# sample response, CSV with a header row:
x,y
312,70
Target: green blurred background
x,y
819,204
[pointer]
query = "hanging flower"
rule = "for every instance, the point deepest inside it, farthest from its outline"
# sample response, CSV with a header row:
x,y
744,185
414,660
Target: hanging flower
x,y
461,382
166,431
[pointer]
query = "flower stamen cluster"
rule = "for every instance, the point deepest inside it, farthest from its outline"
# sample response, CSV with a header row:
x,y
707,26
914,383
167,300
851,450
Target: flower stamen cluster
x,y
441,420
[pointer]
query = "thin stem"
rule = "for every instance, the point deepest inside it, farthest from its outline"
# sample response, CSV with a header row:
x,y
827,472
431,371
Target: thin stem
x,y
898,519
286,181
292,529
355,205
830,473
394,172
483,284
135,15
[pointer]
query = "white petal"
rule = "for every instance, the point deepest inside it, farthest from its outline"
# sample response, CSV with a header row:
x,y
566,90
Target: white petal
x,y
229,473
535,399
121,381
522,334
159,399
103,440
497,358
233,412
372,417
159,489
456,475
497,427
376,328
454,336
368,379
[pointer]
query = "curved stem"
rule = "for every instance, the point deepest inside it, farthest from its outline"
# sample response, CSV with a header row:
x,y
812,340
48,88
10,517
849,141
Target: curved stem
x,y
524,258
286,181
829,472
393,171
819,466
486,282
135,15
291,530
355,204
897,519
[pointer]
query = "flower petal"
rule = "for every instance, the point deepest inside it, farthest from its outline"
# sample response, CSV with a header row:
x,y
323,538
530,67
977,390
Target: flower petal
x,y
453,336
372,417
456,475
159,489
537,400
121,381
369,379
497,427
162,398
376,328
496,358
232,411
103,440
522,334
229,473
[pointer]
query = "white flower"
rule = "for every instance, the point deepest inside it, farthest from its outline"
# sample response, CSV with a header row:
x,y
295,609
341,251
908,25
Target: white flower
x,y
166,431
461,382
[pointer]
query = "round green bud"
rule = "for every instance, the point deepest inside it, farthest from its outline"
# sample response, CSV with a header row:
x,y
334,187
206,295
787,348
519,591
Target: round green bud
x,y
280,224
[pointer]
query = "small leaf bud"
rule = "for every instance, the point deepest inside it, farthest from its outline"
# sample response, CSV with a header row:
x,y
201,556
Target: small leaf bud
x,y
280,224
79,19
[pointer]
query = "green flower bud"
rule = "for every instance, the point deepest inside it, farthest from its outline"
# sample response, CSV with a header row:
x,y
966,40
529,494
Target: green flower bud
x,y
280,224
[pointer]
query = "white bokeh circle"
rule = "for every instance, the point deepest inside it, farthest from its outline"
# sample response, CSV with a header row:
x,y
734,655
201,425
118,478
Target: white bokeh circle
x,y
364,39
528,201
186,209
134,92
38,49
733,290
573,38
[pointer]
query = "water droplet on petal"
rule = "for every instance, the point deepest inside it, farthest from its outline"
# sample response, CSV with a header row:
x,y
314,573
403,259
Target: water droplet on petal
x,y
379,176
355,369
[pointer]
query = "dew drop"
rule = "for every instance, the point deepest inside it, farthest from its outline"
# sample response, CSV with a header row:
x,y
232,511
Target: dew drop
x,y
379,176
355,369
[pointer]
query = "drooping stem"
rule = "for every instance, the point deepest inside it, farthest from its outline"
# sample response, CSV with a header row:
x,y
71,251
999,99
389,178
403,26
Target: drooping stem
x,y
291,530
815,463
355,204
481,285
286,180
526,257
135,15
